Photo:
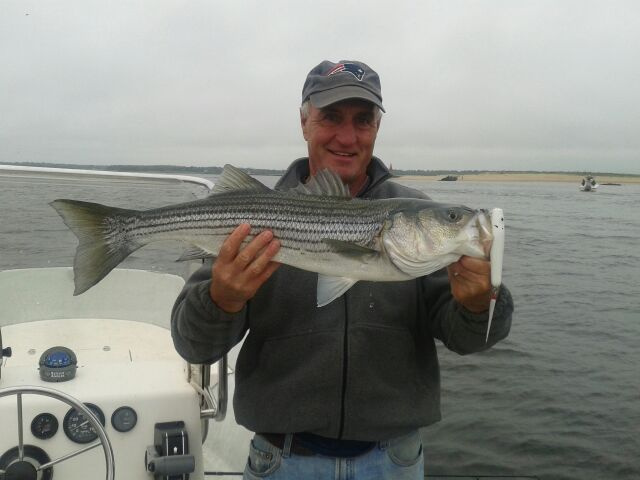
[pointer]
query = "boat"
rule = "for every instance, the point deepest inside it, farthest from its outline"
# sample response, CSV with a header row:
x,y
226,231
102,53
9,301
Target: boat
x,y
91,385
588,184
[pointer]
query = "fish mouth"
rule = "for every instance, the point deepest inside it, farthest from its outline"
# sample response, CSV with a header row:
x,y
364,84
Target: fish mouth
x,y
477,237
485,233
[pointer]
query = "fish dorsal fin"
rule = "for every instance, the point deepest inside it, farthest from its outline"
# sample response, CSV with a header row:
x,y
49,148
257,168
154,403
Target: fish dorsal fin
x,y
233,179
325,183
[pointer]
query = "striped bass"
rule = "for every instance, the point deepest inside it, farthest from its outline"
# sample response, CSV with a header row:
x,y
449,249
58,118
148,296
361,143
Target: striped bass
x,y
321,228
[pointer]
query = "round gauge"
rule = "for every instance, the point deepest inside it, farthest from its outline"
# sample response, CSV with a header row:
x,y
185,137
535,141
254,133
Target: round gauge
x,y
77,427
124,419
44,426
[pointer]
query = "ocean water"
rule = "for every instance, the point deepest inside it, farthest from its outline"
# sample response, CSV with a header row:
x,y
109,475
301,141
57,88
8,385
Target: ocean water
x,y
558,399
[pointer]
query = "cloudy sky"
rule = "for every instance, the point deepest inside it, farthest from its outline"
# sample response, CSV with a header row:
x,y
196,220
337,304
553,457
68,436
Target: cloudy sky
x,y
467,84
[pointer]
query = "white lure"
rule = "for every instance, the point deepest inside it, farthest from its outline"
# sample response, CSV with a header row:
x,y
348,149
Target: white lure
x,y
496,255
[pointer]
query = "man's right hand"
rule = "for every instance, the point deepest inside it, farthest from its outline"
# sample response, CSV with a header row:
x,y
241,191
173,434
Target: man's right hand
x,y
238,272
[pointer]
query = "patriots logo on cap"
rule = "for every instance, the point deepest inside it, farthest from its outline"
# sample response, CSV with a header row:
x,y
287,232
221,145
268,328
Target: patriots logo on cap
x,y
351,68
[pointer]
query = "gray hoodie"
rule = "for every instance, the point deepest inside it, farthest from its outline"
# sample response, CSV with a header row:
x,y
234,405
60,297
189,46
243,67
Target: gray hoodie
x,y
364,367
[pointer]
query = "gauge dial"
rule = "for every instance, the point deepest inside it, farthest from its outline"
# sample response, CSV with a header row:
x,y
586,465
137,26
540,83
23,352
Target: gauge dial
x,y
77,427
124,419
44,426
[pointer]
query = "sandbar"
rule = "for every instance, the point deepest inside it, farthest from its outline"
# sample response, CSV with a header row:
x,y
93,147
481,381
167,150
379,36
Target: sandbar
x,y
527,177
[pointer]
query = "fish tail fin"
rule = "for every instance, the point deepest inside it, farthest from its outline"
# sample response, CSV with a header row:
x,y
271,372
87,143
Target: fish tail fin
x,y
103,244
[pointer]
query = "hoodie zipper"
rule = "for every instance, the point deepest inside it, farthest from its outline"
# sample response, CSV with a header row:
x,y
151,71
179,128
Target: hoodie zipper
x,y
345,344
345,367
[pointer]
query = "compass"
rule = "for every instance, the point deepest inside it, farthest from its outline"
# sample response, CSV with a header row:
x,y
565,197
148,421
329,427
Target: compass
x,y
58,364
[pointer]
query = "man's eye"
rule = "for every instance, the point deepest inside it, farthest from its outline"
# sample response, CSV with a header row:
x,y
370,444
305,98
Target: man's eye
x,y
365,121
331,118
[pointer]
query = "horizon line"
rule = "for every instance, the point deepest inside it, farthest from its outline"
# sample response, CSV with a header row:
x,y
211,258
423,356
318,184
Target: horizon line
x,y
214,169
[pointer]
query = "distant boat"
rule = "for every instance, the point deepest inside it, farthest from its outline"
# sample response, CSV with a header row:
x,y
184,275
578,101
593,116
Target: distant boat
x,y
588,184
449,178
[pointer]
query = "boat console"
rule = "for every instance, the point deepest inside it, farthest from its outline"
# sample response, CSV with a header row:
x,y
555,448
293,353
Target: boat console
x,y
91,386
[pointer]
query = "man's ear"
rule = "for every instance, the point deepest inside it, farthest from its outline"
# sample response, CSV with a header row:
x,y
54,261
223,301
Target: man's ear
x,y
303,124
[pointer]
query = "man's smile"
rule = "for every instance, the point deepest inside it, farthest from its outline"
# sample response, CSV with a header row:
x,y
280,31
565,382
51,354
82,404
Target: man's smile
x,y
341,154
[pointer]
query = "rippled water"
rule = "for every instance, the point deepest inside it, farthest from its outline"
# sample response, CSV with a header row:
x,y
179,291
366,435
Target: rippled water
x,y
558,399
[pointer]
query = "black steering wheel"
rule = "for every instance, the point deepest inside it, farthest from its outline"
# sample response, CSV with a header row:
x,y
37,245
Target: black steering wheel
x,y
21,469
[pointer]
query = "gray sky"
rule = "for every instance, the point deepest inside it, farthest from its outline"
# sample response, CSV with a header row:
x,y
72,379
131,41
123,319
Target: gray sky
x,y
504,84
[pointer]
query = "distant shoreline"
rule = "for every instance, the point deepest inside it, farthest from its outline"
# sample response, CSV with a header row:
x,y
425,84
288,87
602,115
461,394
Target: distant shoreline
x,y
527,177
433,175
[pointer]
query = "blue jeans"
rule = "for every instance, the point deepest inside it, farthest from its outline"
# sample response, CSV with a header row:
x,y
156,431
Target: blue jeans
x,y
397,459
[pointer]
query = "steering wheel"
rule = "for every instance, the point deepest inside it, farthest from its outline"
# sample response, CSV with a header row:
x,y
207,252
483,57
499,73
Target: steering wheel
x,y
24,469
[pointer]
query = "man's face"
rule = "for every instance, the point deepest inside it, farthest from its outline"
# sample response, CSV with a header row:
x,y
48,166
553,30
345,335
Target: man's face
x,y
340,137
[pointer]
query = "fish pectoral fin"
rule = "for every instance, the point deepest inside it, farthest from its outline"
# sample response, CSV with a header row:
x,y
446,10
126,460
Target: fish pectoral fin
x,y
349,249
194,253
330,288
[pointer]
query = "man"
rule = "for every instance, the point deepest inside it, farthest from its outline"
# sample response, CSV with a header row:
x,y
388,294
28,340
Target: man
x,y
342,390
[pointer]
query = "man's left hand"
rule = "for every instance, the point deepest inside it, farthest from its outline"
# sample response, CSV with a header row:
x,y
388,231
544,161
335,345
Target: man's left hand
x,y
470,280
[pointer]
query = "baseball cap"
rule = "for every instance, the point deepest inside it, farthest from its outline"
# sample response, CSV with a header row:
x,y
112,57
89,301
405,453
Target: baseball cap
x,y
330,82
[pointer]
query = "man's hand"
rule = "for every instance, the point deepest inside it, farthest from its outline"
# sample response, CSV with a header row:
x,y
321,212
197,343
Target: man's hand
x,y
470,280
238,272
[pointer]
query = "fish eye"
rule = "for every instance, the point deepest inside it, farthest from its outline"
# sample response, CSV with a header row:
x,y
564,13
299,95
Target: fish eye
x,y
452,215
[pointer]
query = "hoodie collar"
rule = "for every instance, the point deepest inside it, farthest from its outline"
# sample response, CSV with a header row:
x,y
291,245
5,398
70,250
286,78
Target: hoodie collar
x,y
298,172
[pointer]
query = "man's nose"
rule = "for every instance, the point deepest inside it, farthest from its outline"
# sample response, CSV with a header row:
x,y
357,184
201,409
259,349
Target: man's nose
x,y
346,133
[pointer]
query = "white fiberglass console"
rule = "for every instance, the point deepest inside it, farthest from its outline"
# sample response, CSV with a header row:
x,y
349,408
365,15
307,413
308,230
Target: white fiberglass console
x,y
111,351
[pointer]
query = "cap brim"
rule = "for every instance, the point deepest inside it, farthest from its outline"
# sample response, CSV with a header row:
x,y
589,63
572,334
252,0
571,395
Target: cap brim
x,y
347,92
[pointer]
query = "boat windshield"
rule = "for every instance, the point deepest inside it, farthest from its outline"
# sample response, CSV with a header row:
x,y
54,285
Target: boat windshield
x,y
33,235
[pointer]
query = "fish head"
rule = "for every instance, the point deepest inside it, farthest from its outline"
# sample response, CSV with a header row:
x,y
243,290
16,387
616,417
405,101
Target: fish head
x,y
423,236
